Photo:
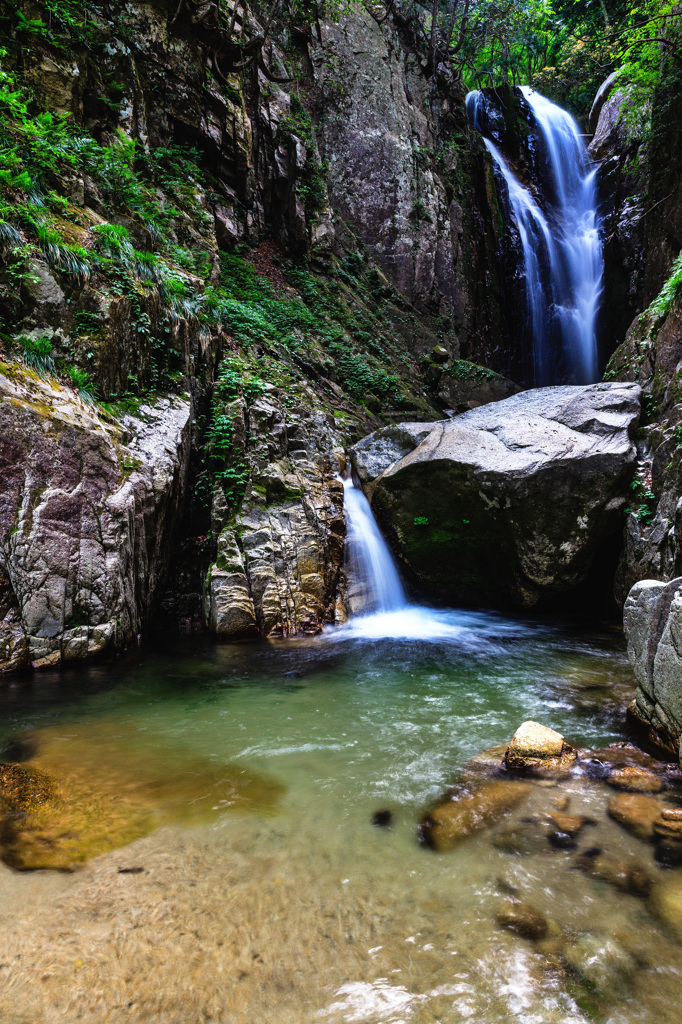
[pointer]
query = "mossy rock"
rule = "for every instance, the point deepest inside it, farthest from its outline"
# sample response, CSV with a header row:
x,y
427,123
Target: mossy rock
x,y
23,788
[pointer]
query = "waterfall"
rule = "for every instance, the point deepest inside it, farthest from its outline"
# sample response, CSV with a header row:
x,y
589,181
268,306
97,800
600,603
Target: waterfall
x,y
558,228
378,605
374,581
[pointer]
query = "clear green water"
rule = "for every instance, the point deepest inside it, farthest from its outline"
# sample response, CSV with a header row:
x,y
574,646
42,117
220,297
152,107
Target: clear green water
x,y
308,912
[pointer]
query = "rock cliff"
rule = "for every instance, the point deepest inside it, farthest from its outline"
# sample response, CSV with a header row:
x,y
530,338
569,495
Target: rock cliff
x,y
88,514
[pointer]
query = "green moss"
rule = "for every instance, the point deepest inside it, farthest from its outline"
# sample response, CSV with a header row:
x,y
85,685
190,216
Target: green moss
x,y
463,370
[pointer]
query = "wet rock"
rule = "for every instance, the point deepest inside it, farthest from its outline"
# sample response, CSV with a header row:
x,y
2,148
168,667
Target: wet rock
x,y
635,780
636,812
229,607
383,818
522,919
603,761
666,902
564,828
631,878
487,764
506,887
570,824
450,822
375,453
669,824
477,477
524,839
534,747
600,963
278,567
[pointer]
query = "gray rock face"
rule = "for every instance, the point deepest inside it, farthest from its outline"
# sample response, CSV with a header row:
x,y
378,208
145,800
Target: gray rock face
x,y
376,452
653,625
510,502
603,93
87,517
607,131
397,205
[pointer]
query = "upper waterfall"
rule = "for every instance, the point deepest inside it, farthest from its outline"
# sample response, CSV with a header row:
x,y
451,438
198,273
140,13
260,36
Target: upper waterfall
x,y
556,216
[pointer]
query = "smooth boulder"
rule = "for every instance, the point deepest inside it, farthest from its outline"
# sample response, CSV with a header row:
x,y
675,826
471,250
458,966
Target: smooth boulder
x,y
652,619
512,502
534,747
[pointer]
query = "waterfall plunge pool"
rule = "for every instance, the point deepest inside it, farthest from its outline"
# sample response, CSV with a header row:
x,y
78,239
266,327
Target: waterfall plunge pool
x,y
296,908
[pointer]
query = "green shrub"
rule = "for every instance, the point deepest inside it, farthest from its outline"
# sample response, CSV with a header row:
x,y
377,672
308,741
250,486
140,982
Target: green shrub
x,y
37,354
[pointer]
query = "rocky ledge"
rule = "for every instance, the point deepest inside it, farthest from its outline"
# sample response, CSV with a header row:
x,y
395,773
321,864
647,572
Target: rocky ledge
x,y
509,503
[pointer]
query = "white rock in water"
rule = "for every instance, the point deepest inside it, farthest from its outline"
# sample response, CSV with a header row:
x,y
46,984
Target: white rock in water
x,y
534,740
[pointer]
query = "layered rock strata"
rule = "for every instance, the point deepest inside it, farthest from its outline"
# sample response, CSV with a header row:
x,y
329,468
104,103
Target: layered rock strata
x,y
89,509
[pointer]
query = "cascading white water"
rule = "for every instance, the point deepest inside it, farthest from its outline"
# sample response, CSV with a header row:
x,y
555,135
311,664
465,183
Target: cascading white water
x,y
562,252
378,606
372,571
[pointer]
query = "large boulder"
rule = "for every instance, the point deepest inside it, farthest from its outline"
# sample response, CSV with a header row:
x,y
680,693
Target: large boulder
x,y
653,625
511,502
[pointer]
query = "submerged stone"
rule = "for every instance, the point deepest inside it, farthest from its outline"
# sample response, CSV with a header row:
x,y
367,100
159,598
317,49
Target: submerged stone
x,y
450,822
525,839
631,878
90,792
600,963
636,780
636,812
522,919
666,902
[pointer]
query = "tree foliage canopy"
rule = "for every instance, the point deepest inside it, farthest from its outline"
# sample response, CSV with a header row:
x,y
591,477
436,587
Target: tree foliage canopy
x,y
563,47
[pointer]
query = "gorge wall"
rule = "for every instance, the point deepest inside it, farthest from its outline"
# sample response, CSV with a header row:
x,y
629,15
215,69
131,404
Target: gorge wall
x,y
290,254
249,268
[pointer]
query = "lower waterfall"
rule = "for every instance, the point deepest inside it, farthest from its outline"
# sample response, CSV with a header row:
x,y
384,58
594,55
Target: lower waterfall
x,y
378,606
374,583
